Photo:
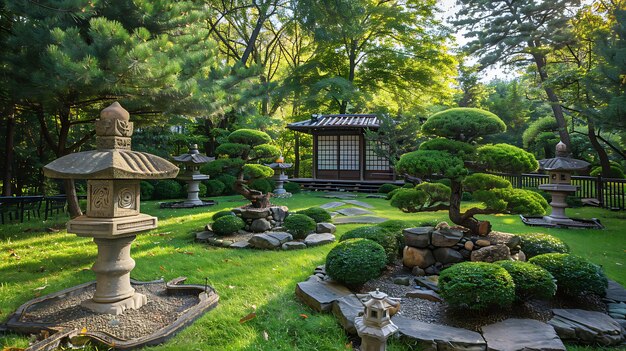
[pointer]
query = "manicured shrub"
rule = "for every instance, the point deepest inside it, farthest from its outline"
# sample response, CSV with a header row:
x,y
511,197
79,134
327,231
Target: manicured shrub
x,y
395,227
509,157
299,225
228,181
221,214
537,244
263,185
355,261
452,146
167,189
455,123
531,281
574,275
467,196
408,186
482,181
292,187
395,191
214,187
477,286
318,214
616,171
526,202
387,240
408,200
386,188
147,190
227,225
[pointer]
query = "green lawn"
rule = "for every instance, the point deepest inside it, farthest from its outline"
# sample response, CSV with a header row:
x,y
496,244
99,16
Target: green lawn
x,y
246,280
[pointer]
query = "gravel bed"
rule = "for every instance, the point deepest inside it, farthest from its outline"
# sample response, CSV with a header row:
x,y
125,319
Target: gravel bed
x,y
160,311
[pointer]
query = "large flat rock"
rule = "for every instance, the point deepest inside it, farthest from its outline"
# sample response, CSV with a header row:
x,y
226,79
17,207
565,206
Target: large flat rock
x,y
320,295
354,211
521,335
586,327
346,309
615,291
359,219
359,203
433,337
333,204
319,239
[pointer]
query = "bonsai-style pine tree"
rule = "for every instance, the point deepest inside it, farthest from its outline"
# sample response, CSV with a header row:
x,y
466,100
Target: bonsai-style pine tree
x,y
241,154
452,155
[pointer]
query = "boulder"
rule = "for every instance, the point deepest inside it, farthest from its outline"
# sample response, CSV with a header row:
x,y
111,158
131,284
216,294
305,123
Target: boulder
x,y
319,239
425,295
204,236
417,237
469,246
346,309
325,228
293,245
491,254
483,242
260,225
282,237
521,335
279,213
402,280
519,256
412,257
433,337
418,272
445,237
319,295
254,213
264,241
586,327
244,244
447,255
510,240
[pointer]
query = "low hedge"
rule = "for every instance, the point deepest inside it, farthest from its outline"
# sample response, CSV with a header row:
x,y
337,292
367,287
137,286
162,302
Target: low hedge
x,y
299,225
534,244
355,261
227,225
318,214
574,275
386,188
292,187
167,189
531,281
222,214
379,235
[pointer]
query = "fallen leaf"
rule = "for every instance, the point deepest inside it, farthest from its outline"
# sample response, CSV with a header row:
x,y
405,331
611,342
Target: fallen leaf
x,y
37,294
42,269
265,335
40,288
349,346
247,318
304,316
226,260
188,253
162,268
231,286
253,307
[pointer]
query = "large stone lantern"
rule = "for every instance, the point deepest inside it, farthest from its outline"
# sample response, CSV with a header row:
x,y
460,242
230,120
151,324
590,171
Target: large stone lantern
x,y
192,162
375,326
113,172
279,166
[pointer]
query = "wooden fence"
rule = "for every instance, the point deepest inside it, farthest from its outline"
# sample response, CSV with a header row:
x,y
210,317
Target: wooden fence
x,y
609,192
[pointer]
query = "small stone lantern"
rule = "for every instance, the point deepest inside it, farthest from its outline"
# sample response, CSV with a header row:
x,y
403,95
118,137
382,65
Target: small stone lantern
x,y
375,326
560,170
192,162
280,166
113,172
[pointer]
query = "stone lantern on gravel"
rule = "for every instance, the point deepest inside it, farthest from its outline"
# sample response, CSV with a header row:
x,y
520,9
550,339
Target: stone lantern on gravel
x,y
279,166
375,326
192,162
113,172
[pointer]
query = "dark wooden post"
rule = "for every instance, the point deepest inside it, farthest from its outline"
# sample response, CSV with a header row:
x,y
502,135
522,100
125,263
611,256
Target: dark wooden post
x,y
600,190
362,150
296,150
314,163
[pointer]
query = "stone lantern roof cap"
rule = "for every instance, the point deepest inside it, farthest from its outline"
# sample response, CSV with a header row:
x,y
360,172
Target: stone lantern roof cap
x,y
562,162
279,165
113,159
193,156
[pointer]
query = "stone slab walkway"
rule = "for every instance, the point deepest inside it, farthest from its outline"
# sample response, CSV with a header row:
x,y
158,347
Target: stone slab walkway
x,y
615,292
359,203
586,327
354,211
433,337
359,219
333,204
521,335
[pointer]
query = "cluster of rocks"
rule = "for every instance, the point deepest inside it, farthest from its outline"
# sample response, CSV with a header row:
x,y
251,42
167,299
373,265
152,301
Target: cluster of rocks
x,y
431,249
259,220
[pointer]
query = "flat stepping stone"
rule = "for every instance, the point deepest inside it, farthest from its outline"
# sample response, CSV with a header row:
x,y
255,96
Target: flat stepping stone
x,y
425,295
244,244
359,203
319,239
324,227
293,245
359,219
615,291
521,335
346,309
320,295
429,282
204,236
354,211
340,196
586,327
433,337
334,204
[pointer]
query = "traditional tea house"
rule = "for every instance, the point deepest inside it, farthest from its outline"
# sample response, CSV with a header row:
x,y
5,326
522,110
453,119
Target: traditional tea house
x,y
192,162
113,172
375,326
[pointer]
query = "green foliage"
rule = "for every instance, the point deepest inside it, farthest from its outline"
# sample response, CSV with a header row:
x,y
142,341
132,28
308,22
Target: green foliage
x,y
222,166
423,196
167,189
395,227
147,190
299,225
533,130
223,213
531,281
423,163
534,244
318,214
521,201
253,171
454,147
202,190
435,192
226,225
214,187
507,158
263,185
395,191
477,286
265,151
380,235
463,124
249,137
232,150
574,275
228,181
355,261
616,172
387,188
292,187
482,181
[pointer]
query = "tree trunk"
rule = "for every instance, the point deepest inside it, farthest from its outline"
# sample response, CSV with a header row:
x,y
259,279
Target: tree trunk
x,y
252,41
72,200
9,154
604,158
475,226
257,198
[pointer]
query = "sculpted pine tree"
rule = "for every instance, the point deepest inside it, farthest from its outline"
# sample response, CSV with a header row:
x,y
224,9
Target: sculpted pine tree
x,y
452,154
244,149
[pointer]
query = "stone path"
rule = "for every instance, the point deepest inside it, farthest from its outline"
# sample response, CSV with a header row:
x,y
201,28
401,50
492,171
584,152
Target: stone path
x,y
615,292
333,204
339,195
521,335
320,295
586,327
433,337
359,203
359,219
354,211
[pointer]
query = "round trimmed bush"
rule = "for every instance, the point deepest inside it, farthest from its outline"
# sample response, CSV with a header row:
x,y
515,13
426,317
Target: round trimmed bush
x,y
292,187
395,191
616,171
146,189
531,281
222,214
463,122
537,244
227,225
386,188
395,227
214,187
477,286
263,185
167,189
318,214
355,261
299,225
574,275
377,234
229,183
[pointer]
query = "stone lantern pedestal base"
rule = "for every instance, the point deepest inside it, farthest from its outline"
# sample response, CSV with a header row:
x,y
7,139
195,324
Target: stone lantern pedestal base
x,y
134,302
